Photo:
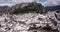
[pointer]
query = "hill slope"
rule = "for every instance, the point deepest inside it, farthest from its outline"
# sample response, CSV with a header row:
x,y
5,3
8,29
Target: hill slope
x,y
4,8
52,8
27,7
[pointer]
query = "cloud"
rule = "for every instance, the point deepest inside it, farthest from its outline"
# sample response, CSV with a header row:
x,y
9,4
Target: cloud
x,y
52,2
12,2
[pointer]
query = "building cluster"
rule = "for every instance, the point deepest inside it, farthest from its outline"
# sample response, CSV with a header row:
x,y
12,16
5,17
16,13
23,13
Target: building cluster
x,y
22,22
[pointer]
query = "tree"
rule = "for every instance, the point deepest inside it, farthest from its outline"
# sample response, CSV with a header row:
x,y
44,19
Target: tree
x,y
47,27
33,28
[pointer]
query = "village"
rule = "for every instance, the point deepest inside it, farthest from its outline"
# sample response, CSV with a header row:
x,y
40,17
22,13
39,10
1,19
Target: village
x,y
22,22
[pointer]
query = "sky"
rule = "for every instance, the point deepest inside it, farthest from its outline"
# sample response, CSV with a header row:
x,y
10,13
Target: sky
x,y
52,2
43,2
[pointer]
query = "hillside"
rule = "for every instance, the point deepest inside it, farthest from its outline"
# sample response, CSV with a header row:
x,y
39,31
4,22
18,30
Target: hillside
x,y
52,8
4,8
27,8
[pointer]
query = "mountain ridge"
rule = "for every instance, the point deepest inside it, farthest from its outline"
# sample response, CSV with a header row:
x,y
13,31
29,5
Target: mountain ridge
x,y
52,8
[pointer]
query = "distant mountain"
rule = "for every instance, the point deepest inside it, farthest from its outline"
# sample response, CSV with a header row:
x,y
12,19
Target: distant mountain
x,y
52,8
4,8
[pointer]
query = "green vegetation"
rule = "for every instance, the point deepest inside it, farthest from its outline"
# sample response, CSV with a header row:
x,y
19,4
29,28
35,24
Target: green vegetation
x,y
33,28
30,8
1,14
47,28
